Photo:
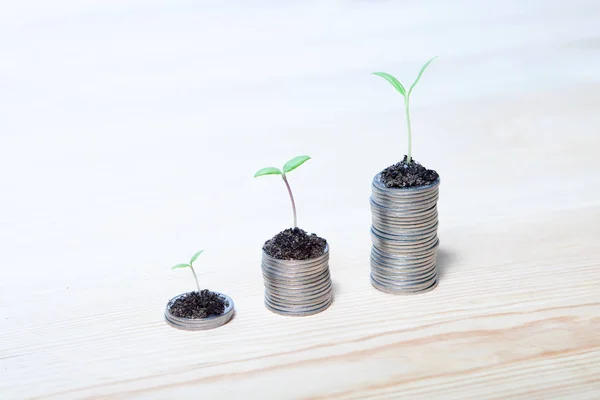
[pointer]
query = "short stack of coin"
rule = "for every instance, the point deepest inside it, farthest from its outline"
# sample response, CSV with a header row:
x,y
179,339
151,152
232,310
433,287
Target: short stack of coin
x,y
200,324
297,287
404,235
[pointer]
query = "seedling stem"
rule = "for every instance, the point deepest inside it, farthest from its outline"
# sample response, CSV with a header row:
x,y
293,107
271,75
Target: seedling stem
x,y
195,278
406,94
289,166
406,108
291,198
190,265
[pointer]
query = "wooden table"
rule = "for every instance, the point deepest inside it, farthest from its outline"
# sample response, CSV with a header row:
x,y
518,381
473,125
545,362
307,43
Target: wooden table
x,y
129,134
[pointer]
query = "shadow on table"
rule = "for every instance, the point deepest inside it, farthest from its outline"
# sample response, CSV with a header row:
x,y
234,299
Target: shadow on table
x,y
445,259
335,289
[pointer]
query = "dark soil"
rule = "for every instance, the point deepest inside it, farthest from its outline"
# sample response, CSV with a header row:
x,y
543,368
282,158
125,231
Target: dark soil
x,y
403,175
295,244
199,305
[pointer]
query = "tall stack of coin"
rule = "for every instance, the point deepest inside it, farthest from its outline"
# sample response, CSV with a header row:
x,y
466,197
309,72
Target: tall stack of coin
x,y
297,288
200,324
404,235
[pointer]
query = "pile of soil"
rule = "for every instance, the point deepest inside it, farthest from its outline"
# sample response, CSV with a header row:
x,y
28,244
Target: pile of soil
x,y
403,175
295,244
199,305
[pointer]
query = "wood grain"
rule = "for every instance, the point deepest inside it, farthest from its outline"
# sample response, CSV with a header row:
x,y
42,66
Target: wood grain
x,y
129,135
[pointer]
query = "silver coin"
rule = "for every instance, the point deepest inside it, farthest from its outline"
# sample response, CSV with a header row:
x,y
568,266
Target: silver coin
x,y
411,206
397,210
408,260
286,307
396,195
414,202
400,283
307,310
298,302
414,230
406,246
399,271
413,224
387,270
295,279
402,264
413,227
300,294
282,274
404,258
298,313
406,251
404,236
392,209
404,280
200,324
296,265
403,239
297,287
384,269
406,286
282,270
395,217
297,283
395,291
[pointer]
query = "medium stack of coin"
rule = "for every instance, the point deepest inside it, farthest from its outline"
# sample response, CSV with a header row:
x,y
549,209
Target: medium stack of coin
x,y
297,288
200,324
404,236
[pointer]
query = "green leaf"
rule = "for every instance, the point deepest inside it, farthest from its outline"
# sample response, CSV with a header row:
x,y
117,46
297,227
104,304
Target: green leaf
x,y
295,163
180,266
393,81
420,73
196,256
268,171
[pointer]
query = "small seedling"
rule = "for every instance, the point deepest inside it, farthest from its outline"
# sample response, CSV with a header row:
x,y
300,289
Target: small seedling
x,y
289,166
191,266
406,95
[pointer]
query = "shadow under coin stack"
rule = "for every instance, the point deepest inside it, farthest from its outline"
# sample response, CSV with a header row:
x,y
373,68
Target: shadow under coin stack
x,y
297,288
404,235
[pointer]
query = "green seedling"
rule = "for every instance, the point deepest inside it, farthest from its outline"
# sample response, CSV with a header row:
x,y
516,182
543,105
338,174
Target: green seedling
x,y
406,94
289,166
191,266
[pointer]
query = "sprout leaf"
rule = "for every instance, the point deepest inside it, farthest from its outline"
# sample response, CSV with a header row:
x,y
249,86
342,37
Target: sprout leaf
x,y
295,163
268,171
420,73
196,256
180,266
393,81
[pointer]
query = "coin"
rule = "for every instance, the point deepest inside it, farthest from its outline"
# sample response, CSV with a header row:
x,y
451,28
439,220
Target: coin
x,y
297,287
392,290
298,311
404,236
200,324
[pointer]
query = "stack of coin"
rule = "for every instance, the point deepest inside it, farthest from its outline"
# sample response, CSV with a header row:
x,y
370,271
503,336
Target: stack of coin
x,y
404,235
200,324
297,288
